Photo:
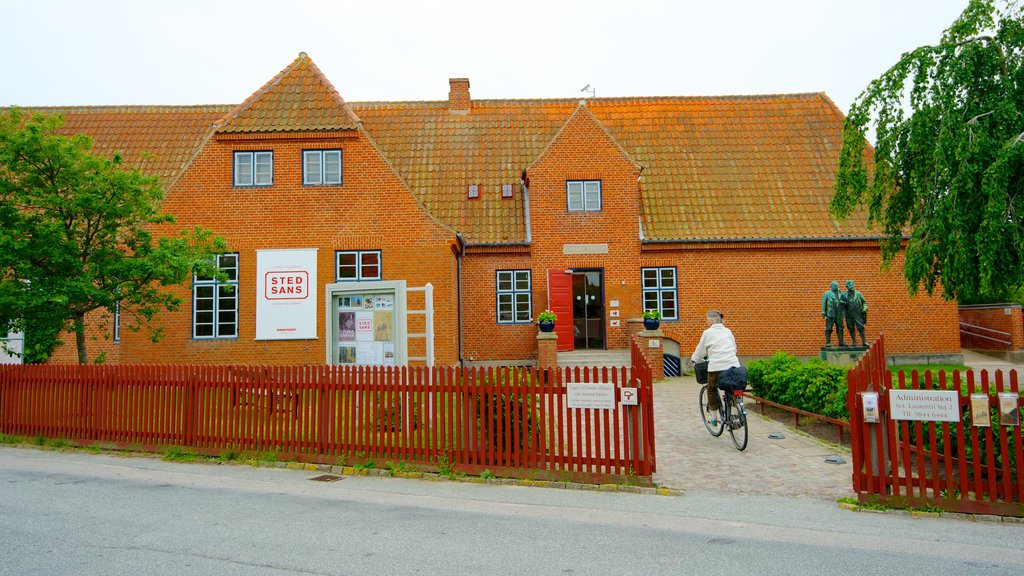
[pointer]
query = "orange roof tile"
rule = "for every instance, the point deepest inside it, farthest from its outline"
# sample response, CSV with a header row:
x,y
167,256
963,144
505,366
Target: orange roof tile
x,y
714,168
299,98
157,140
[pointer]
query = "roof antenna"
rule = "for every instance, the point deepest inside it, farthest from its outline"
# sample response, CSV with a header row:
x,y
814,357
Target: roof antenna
x,y
587,88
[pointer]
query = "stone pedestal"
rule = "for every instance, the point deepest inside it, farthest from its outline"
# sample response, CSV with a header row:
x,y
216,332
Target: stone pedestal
x,y
842,355
547,350
649,342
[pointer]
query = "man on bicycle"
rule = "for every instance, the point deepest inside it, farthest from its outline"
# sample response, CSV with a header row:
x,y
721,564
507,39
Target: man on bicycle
x,y
718,345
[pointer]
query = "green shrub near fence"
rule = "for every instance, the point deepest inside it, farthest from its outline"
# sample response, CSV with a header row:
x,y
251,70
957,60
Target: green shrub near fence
x,y
814,386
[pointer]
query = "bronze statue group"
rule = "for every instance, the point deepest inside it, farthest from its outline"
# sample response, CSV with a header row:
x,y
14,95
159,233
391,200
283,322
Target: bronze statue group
x,y
848,307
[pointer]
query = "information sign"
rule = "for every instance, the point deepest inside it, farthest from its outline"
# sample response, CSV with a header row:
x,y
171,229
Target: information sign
x,y
931,405
600,396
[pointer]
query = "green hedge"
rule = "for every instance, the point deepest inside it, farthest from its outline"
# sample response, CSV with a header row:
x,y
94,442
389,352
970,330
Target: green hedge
x,y
813,386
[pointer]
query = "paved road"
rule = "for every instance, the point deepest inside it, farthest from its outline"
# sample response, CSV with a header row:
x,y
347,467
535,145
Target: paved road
x,y
689,457
82,514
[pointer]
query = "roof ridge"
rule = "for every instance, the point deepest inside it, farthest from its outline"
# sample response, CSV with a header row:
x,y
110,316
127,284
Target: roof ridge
x,y
572,100
302,58
129,107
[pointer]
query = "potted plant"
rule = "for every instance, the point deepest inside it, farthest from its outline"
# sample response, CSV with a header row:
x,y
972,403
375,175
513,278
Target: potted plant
x,y
652,319
546,321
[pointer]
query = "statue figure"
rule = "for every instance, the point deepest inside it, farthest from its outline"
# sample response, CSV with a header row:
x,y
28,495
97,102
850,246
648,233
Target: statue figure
x,y
856,313
833,310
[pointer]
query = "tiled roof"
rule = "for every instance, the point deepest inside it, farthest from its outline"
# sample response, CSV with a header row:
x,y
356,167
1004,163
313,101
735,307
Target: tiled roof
x,y
715,168
299,98
440,154
157,140
734,167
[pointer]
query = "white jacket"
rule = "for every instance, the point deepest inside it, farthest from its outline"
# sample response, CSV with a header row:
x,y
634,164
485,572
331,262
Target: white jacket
x,y
719,345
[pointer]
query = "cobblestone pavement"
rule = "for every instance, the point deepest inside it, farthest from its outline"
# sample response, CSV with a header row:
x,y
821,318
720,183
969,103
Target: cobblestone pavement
x,y
690,458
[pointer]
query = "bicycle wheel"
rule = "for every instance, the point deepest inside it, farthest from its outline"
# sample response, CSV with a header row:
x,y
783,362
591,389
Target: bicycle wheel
x,y
716,424
738,425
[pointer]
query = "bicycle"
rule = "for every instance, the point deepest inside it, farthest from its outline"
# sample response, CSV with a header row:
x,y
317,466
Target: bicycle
x,y
732,413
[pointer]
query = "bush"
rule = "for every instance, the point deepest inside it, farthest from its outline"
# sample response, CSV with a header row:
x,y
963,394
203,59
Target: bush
x,y
813,386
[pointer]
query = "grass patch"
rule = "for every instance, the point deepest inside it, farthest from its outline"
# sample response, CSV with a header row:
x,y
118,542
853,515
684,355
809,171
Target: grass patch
x,y
882,506
10,439
922,368
401,467
175,454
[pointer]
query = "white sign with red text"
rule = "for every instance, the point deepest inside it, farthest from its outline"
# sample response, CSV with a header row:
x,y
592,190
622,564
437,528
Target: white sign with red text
x,y
286,294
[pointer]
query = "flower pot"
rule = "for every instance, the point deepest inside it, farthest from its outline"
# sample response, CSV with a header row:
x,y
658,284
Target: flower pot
x,y
546,326
650,324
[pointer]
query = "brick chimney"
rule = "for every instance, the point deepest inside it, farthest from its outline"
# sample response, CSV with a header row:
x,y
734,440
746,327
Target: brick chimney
x,y
458,96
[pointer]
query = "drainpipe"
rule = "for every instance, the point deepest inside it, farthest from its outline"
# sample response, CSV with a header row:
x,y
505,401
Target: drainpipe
x,y
525,181
458,290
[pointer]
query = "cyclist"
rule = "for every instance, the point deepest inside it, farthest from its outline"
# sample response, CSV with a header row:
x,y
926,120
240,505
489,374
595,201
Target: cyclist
x,y
718,345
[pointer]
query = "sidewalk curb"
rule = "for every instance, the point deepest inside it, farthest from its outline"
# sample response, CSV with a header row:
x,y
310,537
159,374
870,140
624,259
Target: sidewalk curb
x,y
922,514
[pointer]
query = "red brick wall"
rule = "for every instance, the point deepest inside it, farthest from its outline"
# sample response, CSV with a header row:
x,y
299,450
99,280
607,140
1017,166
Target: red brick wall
x,y
483,339
771,297
367,212
1002,317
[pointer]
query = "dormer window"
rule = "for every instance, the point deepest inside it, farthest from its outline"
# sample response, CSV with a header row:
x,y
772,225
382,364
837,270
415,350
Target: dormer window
x,y
254,168
321,167
474,191
506,190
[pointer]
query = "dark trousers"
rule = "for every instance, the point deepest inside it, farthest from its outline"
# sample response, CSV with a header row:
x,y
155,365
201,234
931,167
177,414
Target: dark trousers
x,y
713,391
851,324
838,322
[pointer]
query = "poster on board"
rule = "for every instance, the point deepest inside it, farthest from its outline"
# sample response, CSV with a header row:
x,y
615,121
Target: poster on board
x,y
286,294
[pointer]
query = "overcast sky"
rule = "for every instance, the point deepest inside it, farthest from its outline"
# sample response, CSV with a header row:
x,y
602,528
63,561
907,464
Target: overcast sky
x,y
213,52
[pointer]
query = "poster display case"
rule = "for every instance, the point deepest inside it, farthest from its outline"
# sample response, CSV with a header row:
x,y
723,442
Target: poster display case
x,y
366,323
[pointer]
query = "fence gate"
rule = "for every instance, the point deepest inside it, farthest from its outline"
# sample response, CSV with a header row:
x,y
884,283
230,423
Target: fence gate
x,y
951,440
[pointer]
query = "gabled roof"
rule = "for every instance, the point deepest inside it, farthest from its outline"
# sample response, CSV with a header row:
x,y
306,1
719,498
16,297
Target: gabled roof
x,y
440,154
714,168
300,98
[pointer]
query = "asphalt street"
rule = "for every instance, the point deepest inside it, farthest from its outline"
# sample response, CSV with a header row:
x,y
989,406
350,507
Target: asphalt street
x,y
79,513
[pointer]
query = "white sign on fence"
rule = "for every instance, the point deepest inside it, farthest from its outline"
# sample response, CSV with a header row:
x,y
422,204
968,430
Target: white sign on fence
x,y
935,405
629,396
597,396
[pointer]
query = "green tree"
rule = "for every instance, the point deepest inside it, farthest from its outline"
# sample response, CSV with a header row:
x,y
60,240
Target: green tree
x,y
78,234
947,173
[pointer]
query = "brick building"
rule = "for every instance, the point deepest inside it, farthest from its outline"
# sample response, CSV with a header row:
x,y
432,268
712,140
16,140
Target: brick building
x,y
595,208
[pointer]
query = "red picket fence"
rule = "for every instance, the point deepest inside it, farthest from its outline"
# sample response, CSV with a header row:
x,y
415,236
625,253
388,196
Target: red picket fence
x,y
955,466
513,421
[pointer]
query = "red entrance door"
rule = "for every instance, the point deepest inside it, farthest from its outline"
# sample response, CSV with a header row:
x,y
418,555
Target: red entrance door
x,y
560,302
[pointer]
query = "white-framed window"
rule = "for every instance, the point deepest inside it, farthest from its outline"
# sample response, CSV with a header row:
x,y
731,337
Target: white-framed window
x,y
660,290
513,288
583,195
215,302
356,265
321,167
254,168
